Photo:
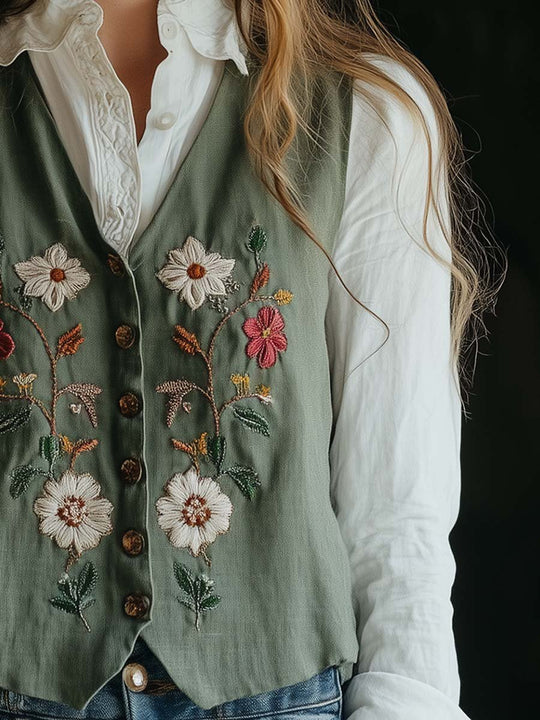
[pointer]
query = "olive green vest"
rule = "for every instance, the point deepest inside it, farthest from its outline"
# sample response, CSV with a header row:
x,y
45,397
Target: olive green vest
x,y
165,417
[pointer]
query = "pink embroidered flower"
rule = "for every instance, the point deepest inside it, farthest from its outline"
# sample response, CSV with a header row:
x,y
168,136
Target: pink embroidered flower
x,y
7,345
266,336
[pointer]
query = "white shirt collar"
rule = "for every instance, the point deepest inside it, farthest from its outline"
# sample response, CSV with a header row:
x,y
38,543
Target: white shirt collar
x,y
209,24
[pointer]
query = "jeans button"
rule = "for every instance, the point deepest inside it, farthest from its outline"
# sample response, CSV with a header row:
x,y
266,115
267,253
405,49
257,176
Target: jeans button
x,y
135,677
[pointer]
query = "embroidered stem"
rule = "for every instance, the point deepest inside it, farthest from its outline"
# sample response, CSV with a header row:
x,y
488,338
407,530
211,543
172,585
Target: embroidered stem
x,y
52,361
234,399
32,399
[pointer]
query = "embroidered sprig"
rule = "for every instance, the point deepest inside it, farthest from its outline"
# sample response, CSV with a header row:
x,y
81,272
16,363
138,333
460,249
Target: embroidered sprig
x,y
76,593
198,591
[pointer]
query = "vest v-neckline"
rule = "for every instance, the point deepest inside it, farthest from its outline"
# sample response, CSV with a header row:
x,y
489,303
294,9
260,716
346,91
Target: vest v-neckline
x,y
221,95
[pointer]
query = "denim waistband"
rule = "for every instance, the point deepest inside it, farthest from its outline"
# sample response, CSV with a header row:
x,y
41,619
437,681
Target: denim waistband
x,y
320,695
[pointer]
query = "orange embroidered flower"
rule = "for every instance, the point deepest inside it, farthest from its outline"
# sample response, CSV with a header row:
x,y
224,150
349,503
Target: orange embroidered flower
x,y
266,336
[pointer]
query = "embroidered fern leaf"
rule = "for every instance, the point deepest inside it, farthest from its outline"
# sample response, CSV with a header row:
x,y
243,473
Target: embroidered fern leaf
x,y
69,342
262,276
215,448
21,476
76,593
176,390
246,478
10,421
198,590
86,393
252,419
185,340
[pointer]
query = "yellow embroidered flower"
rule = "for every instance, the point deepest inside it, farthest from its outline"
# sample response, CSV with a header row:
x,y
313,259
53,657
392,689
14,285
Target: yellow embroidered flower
x,y
283,297
263,393
3,382
200,444
67,445
241,383
24,382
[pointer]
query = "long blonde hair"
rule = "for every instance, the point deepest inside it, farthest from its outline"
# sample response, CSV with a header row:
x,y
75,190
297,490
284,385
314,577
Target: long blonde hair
x,y
299,38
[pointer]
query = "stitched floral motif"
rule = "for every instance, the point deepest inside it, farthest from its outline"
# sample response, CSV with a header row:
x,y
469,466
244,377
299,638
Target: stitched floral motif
x,y
54,277
266,336
70,509
72,512
194,509
195,274
7,344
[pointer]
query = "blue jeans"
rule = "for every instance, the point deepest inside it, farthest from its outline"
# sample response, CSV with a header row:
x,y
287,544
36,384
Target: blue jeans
x,y
318,697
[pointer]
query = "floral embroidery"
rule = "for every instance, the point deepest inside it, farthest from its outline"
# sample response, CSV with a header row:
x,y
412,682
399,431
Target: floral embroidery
x,y
70,508
198,591
195,274
194,509
266,336
54,277
72,512
7,344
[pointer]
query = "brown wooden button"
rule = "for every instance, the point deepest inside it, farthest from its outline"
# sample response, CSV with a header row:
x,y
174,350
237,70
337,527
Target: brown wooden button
x,y
135,677
131,470
133,542
124,336
116,266
136,605
129,404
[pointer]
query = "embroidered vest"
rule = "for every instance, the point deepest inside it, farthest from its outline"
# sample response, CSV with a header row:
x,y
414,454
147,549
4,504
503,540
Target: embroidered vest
x,y
165,417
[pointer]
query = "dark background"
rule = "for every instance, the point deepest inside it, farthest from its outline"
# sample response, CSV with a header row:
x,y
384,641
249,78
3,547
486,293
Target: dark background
x,y
484,56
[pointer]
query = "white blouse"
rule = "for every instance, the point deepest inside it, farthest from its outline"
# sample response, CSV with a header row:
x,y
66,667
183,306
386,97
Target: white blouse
x,y
395,453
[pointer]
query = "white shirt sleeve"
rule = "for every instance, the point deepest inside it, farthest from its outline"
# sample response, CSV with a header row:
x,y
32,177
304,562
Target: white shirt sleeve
x,y
395,450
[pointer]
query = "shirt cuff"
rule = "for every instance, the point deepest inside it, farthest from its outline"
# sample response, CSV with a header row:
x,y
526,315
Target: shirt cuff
x,y
386,696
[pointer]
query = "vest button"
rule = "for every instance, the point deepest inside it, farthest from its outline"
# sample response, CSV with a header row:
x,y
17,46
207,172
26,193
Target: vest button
x,y
116,266
133,542
136,605
131,470
129,404
124,336
135,677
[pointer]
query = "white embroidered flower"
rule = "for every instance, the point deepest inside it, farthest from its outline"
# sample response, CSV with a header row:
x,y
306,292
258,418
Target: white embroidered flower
x,y
53,277
72,513
194,274
194,511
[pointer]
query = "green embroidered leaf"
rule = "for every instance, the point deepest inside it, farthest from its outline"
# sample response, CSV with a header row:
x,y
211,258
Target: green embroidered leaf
x,y
210,602
246,478
49,448
184,578
87,580
13,421
24,300
76,592
216,447
198,597
21,476
63,603
257,239
86,603
252,419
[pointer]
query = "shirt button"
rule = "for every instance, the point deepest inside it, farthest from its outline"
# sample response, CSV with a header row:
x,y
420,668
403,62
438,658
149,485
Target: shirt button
x,y
124,336
135,677
133,542
131,470
129,404
136,605
169,30
165,121
116,266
